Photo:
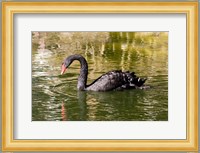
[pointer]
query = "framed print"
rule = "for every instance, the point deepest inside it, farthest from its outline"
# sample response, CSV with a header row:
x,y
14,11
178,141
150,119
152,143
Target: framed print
x,y
100,76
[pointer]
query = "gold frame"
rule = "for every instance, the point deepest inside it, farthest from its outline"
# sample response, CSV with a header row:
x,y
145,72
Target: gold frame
x,y
11,8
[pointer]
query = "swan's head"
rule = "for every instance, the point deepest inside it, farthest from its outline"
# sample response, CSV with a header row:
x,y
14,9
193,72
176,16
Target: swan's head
x,y
65,65
67,62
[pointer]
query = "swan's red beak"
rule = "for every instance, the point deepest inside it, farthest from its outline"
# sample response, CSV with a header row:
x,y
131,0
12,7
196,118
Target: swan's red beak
x,y
63,69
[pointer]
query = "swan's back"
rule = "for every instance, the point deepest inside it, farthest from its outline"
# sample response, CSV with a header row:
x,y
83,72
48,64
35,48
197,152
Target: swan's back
x,y
114,80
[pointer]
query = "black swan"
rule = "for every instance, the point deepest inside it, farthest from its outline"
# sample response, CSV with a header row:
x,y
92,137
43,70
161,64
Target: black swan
x,y
112,80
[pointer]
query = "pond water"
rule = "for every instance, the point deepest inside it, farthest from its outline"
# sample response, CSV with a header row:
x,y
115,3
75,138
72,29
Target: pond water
x,y
55,97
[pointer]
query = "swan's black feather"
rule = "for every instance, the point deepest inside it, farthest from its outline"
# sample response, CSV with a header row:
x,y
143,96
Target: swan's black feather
x,y
107,81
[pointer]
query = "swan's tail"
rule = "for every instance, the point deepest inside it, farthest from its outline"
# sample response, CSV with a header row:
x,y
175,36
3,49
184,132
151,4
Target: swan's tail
x,y
139,81
133,80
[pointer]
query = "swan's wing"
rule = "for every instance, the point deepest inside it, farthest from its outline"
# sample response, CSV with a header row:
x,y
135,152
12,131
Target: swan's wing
x,y
108,81
116,79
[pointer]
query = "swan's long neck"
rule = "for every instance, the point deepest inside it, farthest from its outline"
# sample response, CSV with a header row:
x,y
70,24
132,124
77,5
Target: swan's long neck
x,y
82,79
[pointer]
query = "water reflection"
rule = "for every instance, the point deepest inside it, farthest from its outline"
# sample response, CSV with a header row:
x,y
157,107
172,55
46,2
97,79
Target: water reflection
x,y
55,97
116,105
63,112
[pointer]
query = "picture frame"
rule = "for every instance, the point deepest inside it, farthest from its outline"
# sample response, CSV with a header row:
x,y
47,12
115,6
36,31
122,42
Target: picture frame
x,y
9,9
